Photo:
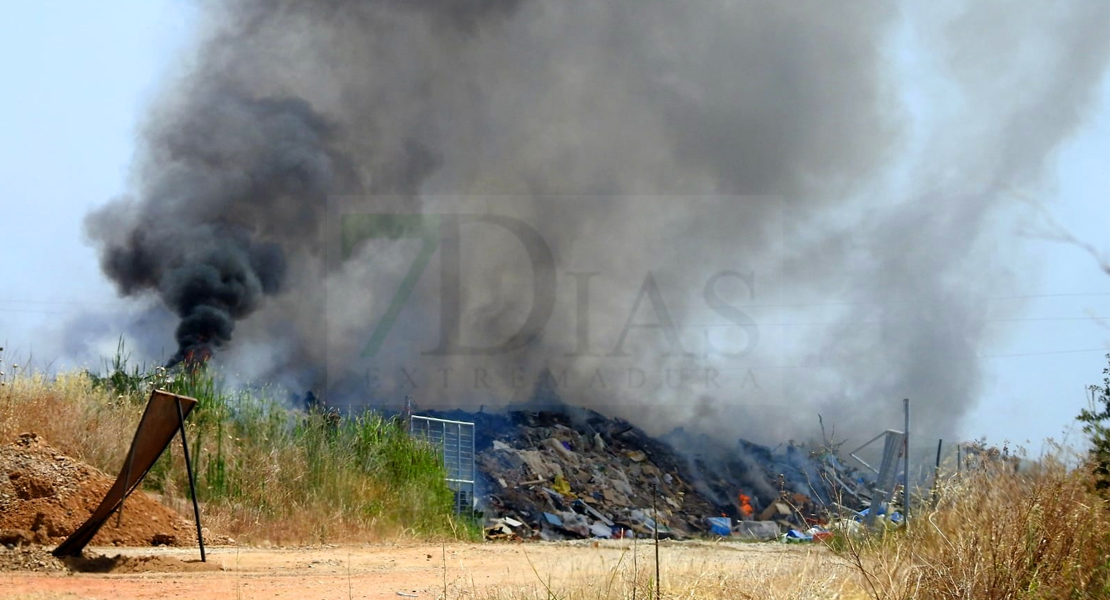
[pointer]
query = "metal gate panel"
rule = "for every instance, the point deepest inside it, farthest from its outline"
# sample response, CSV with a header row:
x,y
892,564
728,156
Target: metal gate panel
x,y
455,442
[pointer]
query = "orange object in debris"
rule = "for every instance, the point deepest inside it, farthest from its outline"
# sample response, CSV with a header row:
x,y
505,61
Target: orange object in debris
x,y
746,505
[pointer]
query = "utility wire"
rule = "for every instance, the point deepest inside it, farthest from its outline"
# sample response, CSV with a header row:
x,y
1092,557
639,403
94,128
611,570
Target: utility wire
x,y
829,366
879,321
760,305
1046,353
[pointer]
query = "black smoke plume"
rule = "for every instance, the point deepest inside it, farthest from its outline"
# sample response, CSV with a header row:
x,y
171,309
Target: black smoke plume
x,y
230,185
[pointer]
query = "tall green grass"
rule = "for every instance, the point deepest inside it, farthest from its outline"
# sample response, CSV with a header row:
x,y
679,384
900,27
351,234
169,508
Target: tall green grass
x,y
263,470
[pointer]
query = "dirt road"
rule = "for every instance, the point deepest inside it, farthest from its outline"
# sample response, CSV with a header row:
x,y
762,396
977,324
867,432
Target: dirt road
x,y
408,570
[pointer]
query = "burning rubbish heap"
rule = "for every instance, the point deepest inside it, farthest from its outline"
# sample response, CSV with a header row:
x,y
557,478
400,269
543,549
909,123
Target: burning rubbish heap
x,y
574,473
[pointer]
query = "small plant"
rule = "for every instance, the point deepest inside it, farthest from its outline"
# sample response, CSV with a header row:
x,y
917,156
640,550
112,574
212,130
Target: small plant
x,y
126,380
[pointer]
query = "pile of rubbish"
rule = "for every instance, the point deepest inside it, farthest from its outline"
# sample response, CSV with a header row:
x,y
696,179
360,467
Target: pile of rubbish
x,y
553,477
574,473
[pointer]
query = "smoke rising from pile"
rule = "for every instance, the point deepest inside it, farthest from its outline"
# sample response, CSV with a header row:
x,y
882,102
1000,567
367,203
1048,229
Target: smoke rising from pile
x,y
291,104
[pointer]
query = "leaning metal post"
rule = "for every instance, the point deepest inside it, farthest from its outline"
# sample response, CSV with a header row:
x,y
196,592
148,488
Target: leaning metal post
x,y
189,471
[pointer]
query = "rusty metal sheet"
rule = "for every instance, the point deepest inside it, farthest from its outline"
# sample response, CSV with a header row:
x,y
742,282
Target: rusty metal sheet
x,y
161,421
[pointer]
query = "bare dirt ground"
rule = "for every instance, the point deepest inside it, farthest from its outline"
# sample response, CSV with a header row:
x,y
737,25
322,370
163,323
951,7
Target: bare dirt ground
x,y
403,570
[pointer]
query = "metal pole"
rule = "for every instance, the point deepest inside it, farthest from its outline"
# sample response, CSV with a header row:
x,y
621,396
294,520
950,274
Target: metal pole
x,y
459,471
635,564
936,474
472,478
906,468
655,532
189,471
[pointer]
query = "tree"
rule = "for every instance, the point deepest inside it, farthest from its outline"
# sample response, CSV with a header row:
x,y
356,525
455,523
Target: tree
x,y
1096,424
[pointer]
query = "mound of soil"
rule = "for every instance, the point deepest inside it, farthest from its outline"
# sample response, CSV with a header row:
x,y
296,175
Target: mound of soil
x,y
45,496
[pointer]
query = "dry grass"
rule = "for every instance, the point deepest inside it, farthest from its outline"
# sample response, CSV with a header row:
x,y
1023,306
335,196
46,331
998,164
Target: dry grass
x,y
722,572
996,533
92,425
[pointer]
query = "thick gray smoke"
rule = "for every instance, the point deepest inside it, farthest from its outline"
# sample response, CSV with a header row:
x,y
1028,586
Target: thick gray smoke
x,y
790,114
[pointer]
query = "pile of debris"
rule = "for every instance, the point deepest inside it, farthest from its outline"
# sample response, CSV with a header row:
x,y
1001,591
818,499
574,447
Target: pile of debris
x,y
45,496
574,473
553,477
797,485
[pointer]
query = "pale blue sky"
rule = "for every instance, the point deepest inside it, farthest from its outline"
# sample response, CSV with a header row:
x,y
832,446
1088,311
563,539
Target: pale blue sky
x,y
78,76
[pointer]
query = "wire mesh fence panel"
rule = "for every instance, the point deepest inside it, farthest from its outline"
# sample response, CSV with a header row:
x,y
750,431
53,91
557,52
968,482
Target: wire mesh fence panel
x,y
455,442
